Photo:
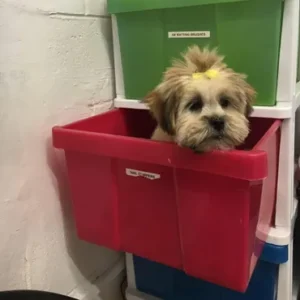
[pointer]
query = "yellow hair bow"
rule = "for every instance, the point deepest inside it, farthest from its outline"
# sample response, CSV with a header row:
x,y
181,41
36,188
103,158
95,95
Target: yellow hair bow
x,y
211,73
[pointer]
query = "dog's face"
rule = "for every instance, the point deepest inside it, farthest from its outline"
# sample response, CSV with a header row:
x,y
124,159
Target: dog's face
x,y
203,110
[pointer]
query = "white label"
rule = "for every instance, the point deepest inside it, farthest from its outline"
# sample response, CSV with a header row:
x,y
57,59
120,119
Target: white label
x,y
188,34
137,173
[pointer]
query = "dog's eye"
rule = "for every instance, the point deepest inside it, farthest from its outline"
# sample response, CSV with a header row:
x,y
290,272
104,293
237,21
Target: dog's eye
x,y
224,102
196,104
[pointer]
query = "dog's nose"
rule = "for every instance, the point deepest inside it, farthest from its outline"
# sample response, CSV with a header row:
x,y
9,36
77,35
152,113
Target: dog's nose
x,y
217,123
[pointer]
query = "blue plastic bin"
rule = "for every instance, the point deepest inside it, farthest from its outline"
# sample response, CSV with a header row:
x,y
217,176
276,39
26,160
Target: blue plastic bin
x,y
171,284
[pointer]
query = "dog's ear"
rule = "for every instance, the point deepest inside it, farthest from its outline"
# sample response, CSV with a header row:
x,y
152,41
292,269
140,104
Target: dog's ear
x,y
245,91
249,110
163,109
250,94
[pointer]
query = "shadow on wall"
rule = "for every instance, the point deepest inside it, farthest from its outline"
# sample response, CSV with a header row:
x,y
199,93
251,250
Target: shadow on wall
x,y
82,254
106,31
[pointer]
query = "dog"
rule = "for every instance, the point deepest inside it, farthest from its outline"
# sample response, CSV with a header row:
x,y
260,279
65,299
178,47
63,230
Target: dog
x,y
201,103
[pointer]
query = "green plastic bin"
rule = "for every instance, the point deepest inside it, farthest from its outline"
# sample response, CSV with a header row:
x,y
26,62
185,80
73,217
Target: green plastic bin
x,y
152,32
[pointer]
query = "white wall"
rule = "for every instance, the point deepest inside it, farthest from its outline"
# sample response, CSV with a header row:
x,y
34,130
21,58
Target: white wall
x,y
55,67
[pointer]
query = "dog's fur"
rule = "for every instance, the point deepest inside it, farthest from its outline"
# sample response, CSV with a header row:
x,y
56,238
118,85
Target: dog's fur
x,y
185,108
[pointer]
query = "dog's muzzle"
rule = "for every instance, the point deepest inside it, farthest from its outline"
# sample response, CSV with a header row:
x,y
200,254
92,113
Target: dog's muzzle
x,y
217,123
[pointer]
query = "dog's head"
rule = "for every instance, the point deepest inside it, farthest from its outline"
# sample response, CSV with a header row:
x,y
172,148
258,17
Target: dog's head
x,y
202,103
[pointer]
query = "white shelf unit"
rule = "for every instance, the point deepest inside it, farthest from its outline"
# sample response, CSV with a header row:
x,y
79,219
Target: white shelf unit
x,y
288,100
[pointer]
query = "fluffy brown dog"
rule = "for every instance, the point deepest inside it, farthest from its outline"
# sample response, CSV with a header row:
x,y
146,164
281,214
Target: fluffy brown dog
x,y
201,103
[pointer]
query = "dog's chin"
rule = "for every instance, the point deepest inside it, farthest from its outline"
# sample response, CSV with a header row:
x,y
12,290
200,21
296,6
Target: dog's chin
x,y
211,144
214,142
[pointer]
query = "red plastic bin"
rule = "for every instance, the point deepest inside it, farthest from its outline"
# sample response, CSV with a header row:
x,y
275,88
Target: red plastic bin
x,y
195,212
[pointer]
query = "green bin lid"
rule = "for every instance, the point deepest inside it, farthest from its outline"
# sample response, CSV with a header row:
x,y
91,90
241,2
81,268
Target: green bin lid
x,y
120,6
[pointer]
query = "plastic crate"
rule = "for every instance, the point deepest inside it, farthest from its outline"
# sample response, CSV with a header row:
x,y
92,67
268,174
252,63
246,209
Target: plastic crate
x,y
171,284
151,33
168,204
